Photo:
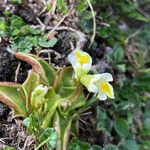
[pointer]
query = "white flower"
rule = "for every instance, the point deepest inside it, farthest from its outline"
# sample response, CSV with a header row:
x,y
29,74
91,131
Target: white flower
x,y
99,84
81,62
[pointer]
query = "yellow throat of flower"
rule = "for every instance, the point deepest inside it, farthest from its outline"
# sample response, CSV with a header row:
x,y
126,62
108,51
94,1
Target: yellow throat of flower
x,y
82,58
106,88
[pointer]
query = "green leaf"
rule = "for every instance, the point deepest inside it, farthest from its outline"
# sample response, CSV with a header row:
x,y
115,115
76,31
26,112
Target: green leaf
x,y
34,31
119,53
147,123
2,27
76,99
16,1
52,104
103,32
12,95
15,32
102,121
82,6
26,121
25,30
65,130
68,89
125,105
49,71
121,127
121,67
44,43
88,15
32,81
131,145
49,137
36,66
101,126
143,82
33,122
9,148
101,114
62,126
25,44
62,7
111,147
16,22
76,144
145,145
64,83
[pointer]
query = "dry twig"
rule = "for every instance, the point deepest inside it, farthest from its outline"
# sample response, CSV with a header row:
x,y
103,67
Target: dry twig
x,y
94,24
17,72
81,36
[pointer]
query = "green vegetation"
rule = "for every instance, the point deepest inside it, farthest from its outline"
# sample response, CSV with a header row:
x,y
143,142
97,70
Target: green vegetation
x,y
129,58
124,31
50,100
24,37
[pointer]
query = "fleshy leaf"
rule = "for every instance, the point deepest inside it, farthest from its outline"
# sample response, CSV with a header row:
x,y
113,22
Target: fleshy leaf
x,y
69,90
32,81
64,83
62,126
52,103
76,99
12,95
66,130
56,125
49,71
36,66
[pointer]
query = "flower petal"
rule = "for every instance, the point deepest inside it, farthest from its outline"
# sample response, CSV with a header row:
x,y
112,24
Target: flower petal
x,y
82,57
102,96
106,77
89,82
95,78
72,59
92,88
87,66
106,88
111,91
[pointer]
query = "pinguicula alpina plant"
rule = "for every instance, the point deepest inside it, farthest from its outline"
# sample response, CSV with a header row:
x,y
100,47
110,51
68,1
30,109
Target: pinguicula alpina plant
x,y
50,100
